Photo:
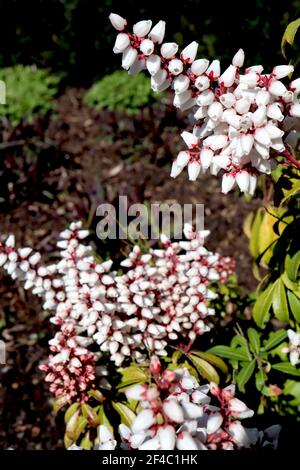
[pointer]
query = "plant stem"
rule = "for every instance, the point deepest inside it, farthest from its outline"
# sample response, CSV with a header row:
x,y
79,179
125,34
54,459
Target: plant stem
x,y
291,158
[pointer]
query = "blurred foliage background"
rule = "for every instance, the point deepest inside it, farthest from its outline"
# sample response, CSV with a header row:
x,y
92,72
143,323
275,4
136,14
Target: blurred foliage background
x,y
75,36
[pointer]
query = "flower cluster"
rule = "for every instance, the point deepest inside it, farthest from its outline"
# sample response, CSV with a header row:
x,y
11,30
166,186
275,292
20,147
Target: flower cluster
x,y
163,296
242,119
175,412
294,347
178,413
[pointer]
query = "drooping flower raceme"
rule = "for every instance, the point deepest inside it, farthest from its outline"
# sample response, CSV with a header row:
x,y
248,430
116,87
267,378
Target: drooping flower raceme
x,y
164,296
243,119
294,347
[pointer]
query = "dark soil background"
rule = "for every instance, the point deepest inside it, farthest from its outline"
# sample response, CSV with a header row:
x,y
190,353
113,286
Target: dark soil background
x,y
60,170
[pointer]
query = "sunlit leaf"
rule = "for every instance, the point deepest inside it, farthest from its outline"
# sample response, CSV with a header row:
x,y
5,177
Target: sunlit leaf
x,y
212,359
230,353
205,369
274,339
245,374
287,368
289,35
254,339
127,416
294,303
279,301
261,309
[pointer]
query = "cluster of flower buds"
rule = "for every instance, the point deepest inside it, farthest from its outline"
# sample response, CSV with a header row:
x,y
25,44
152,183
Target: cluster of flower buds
x,y
294,347
243,120
163,296
175,412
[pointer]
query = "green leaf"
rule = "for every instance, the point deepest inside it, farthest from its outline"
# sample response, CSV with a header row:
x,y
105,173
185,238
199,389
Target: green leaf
x,y
90,414
279,301
289,35
286,368
255,229
104,419
260,380
59,403
292,264
80,427
230,353
130,376
261,309
126,414
254,339
293,286
205,368
212,359
70,411
245,374
294,303
86,442
274,339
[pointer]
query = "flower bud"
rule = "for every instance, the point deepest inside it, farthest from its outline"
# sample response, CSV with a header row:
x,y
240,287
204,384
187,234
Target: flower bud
x,y
185,441
189,52
129,56
122,42
262,98
262,136
168,50
142,28
206,157
274,112
155,365
117,21
190,139
228,182
167,437
193,170
281,71
295,110
144,420
238,58
147,47
157,33
153,64
199,66
175,170
242,106
214,69
205,98
250,79
202,82
277,88
173,410
243,181
295,85
175,66
215,111
181,83
227,78
228,100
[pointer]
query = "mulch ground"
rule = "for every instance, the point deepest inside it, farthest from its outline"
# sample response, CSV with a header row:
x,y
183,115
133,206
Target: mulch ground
x,y
62,169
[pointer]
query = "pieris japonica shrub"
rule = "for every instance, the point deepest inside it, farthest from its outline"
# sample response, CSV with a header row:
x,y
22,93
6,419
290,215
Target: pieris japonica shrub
x,y
106,319
114,92
246,123
244,119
